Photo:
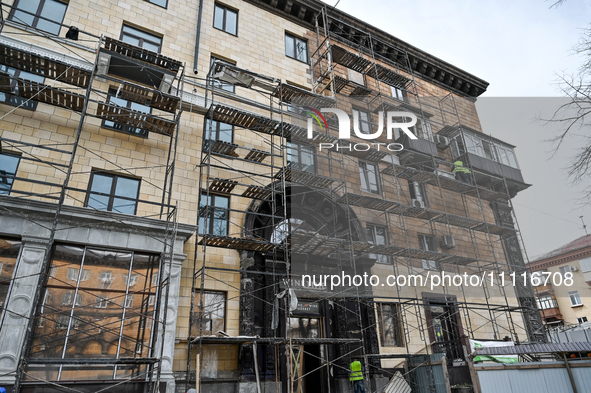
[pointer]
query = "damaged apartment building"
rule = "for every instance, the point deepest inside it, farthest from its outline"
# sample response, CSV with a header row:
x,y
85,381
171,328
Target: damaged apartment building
x,y
162,194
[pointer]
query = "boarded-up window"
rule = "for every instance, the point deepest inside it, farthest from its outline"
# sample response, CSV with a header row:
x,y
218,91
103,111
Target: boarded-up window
x,y
390,323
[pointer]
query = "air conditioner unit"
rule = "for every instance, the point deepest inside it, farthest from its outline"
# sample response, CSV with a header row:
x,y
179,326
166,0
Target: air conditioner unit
x,y
441,141
574,269
417,203
448,241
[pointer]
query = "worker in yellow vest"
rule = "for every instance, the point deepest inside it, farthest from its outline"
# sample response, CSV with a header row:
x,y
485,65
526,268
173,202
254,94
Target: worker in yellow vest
x,y
357,376
462,173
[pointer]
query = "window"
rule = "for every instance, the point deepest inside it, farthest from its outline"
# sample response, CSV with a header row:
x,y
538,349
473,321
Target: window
x,y
564,270
45,15
377,235
486,148
218,131
390,324
356,77
69,296
215,209
426,243
575,300
161,3
398,93
113,193
72,274
101,302
582,320
52,271
417,191
225,19
301,157
304,327
369,177
213,314
546,302
585,264
106,278
141,38
113,99
13,97
296,48
61,322
8,165
128,301
134,279
364,121
221,84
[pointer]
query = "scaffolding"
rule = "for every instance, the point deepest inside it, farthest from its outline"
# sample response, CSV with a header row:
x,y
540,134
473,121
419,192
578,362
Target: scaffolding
x,y
270,175
134,335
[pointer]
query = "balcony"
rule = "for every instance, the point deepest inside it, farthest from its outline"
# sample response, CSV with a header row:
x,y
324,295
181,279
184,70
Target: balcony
x,y
417,152
483,167
551,314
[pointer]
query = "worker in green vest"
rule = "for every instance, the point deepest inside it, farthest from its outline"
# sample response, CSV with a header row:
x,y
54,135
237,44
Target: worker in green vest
x,y
357,376
462,173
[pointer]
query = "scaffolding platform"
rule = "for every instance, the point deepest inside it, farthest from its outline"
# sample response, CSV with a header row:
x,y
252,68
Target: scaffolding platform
x,y
43,66
137,53
41,92
133,118
307,178
446,183
296,95
236,243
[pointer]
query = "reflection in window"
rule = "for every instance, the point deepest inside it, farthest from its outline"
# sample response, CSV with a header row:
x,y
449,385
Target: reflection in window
x,y
112,192
296,48
13,98
287,227
377,235
103,322
218,131
300,157
141,38
8,165
225,19
35,13
427,243
363,119
214,214
390,324
369,177
9,250
304,328
213,315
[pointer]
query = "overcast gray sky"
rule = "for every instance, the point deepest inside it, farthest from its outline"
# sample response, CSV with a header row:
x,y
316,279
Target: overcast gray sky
x,y
518,47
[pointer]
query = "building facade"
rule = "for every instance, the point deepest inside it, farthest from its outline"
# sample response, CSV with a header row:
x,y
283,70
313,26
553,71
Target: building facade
x,y
172,172
564,279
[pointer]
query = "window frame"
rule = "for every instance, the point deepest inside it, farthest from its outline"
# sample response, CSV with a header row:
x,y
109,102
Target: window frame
x,y
4,175
225,10
218,84
413,186
141,39
364,175
295,42
397,316
577,297
162,6
426,246
299,147
546,302
581,321
379,258
398,93
215,130
126,129
362,122
37,16
115,177
20,102
195,316
211,220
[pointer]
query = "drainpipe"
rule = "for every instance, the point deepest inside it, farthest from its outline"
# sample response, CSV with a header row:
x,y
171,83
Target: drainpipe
x,y
196,57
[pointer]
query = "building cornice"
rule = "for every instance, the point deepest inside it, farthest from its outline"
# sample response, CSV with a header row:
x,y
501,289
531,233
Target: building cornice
x,y
386,46
561,259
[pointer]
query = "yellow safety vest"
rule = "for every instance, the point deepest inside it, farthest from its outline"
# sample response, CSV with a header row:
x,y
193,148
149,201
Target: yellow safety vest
x,y
356,374
459,167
